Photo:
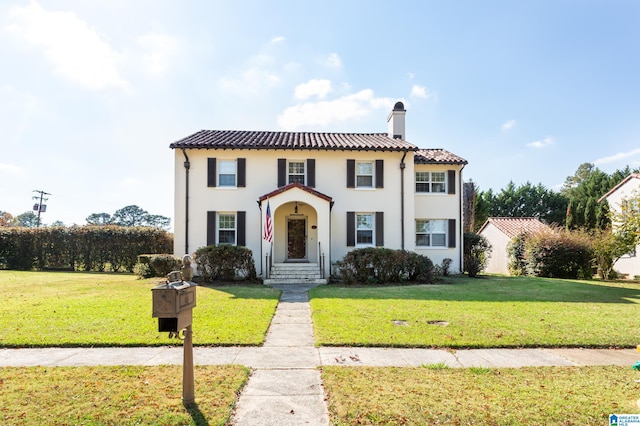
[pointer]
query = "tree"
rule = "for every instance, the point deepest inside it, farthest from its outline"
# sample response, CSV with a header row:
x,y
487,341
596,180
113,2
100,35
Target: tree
x,y
130,216
583,190
98,219
27,219
523,201
7,219
608,247
158,221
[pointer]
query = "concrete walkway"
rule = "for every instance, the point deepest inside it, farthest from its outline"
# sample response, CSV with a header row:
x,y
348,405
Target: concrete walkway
x,y
285,387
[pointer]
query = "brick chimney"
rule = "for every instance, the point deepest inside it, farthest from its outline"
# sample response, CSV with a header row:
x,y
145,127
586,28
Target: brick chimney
x,y
395,121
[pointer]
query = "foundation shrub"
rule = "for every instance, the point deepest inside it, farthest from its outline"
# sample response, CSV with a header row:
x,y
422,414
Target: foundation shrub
x,y
382,265
225,263
476,253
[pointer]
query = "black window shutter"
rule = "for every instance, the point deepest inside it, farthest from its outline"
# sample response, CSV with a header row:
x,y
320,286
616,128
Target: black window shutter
x,y
282,172
242,172
242,229
351,229
379,173
311,172
452,233
351,173
211,228
451,181
379,229
211,172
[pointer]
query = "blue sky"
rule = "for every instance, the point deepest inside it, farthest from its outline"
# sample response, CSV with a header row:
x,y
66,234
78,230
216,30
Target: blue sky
x,y
93,92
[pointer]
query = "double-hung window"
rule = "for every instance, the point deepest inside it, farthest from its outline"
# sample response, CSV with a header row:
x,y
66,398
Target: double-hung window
x,y
434,182
431,233
364,228
296,172
227,173
227,228
364,174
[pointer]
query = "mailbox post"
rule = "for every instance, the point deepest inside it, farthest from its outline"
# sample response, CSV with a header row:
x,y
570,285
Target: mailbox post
x,y
173,304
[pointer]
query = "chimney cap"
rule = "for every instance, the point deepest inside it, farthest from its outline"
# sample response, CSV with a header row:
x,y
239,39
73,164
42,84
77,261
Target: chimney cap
x,y
399,106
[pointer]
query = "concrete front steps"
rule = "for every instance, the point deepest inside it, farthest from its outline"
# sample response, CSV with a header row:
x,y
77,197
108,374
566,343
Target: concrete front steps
x,y
295,273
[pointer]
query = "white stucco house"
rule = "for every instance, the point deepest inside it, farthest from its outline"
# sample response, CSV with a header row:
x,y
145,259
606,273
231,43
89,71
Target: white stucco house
x,y
629,187
499,231
327,194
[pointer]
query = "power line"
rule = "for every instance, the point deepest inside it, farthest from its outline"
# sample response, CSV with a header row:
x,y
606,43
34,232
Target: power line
x,y
39,207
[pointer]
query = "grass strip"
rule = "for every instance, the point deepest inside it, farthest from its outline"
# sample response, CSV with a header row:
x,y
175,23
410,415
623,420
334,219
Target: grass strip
x,y
122,395
480,396
492,312
93,309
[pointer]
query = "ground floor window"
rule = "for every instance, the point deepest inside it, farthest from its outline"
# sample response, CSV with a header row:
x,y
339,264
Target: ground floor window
x,y
431,232
227,228
364,228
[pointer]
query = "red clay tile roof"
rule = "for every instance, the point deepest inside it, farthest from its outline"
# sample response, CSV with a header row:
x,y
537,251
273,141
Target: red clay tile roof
x,y
295,185
437,156
512,226
246,139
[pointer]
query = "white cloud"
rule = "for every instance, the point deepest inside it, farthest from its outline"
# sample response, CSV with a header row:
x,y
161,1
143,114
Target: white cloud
x,y
541,144
419,92
252,81
159,51
279,39
507,125
319,88
617,157
10,169
323,113
333,61
76,50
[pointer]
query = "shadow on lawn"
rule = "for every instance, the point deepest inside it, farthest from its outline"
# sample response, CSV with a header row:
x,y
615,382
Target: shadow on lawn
x,y
247,291
493,289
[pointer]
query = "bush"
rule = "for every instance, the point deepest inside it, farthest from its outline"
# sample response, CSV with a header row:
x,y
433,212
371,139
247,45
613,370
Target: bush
x,y
476,253
156,265
225,263
559,254
88,248
382,265
516,253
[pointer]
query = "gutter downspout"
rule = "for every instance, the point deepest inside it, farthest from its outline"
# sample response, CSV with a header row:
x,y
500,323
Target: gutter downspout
x,y
460,202
187,166
402,166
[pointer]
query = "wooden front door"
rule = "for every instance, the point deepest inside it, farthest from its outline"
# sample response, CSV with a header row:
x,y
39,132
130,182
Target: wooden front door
x,y
296,239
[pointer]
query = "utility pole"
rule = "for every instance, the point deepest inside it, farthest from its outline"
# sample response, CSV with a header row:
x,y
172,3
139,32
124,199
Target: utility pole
x,y
39,207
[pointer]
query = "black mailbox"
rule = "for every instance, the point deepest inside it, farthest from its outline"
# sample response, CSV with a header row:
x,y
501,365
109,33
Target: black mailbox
x,y
173,305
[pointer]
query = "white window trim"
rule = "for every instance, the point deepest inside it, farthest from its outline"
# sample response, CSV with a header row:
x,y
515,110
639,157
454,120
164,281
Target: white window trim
x,y
431,246
373,175
430,183
235,173
304,171
373,229
220,228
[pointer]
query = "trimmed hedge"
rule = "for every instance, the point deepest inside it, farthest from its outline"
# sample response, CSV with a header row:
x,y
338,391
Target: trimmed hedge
x,y
87,248
225,263
382,265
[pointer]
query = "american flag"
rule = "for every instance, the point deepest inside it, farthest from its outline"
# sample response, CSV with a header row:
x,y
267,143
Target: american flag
x,y
267,234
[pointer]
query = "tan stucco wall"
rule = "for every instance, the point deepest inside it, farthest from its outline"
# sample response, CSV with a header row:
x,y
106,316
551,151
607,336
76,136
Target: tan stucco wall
x,y
627,264
499,259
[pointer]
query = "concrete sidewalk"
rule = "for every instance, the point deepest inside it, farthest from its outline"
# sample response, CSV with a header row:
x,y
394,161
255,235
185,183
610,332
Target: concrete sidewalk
x,y
285,387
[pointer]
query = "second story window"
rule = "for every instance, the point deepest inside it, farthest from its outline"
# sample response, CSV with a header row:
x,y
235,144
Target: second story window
x,y
227,170
431,182
364,174
296,172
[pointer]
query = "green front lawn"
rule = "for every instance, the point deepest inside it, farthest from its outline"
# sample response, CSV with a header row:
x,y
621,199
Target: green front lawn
x,y
480,396
480,313
92,309
123,395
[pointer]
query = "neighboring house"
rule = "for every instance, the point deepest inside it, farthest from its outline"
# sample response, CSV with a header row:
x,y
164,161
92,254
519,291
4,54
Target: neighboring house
x,y
621,193
499,231
327,193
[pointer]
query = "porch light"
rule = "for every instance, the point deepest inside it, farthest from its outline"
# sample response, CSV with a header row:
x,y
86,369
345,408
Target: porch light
x,y
295,209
